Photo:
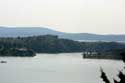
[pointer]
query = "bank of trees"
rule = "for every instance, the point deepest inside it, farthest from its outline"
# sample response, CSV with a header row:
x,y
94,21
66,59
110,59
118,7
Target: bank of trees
x,y
42,44
53,44
18,52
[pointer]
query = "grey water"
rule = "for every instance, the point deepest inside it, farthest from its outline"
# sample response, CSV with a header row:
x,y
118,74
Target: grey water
x,y
56,68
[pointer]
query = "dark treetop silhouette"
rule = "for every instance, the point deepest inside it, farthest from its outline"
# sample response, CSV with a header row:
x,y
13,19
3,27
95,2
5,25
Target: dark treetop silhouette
x,y
120,75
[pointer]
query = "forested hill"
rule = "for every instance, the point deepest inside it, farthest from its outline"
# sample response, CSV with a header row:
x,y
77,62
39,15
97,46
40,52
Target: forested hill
x,y
42,44
53,44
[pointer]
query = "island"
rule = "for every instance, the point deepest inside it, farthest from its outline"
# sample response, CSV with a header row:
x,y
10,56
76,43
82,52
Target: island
x,y
110,54
18,52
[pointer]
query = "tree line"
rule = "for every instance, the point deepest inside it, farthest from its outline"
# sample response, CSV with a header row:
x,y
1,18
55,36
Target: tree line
x,y
54,44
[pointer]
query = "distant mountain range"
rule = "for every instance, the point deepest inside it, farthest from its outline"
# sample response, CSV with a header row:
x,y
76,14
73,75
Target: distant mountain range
x,y
31,31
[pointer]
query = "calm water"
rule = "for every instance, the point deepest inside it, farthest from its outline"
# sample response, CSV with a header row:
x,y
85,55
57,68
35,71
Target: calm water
x,y
56,68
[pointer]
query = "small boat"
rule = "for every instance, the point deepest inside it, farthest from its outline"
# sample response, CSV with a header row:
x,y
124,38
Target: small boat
x,y
3,61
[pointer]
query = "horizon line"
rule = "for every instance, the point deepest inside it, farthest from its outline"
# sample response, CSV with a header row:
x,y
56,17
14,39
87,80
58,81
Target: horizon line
x,y
50,28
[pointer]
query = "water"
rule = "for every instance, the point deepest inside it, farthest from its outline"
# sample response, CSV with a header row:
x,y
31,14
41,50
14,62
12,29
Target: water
x,y
56,68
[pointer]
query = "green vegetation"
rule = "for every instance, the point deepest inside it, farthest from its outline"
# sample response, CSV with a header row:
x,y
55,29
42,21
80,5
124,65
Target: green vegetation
x,y
53,44
22,52
110,54
121,74
42,44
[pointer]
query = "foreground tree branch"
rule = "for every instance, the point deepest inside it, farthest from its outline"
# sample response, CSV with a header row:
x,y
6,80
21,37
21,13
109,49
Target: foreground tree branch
x,y
120,75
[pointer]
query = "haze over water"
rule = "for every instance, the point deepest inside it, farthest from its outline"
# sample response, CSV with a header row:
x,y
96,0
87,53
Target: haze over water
x,y
56,68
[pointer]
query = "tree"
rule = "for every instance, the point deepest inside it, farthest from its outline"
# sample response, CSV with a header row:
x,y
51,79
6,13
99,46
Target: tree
x,y
120,75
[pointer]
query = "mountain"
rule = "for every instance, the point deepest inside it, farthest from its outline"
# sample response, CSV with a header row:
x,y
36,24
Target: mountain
x,y
31,31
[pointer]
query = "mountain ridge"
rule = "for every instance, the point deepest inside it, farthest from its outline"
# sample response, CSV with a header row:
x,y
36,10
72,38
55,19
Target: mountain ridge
x,y
31,31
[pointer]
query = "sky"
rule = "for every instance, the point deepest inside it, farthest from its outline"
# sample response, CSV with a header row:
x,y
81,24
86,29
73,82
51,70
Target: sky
x,y
75,16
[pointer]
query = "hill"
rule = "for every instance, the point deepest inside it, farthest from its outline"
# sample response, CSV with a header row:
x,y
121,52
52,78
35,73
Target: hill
x,y
31,31
28,46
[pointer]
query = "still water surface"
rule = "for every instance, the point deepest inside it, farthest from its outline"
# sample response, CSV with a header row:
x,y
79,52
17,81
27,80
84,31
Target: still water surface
x,y
56,68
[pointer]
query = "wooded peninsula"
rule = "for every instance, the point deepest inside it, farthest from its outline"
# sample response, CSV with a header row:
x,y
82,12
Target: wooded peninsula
x,y
28,46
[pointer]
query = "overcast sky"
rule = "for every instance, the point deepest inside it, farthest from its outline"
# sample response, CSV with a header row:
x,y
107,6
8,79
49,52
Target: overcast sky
x,y
87,16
